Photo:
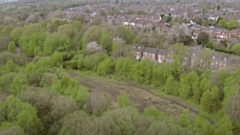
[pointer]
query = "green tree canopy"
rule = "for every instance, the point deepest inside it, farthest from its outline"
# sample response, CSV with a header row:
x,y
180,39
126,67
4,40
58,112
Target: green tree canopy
x,y
23,114
232,24
203,38
236,49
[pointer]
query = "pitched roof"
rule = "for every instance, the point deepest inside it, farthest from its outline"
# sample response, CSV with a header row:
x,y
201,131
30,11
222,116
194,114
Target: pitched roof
x,y
151,50
137,47
163,51
220,56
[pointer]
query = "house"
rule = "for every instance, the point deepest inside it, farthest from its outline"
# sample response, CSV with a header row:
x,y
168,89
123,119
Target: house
x,y
232,41
161,27
221,34
209,30
137,51
163,55
139,23
213,18
193,54
238,33
235,33
150,53
195,33
219,60
196,27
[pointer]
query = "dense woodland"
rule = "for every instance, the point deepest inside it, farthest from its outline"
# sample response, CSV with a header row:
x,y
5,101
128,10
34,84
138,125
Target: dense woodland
x,y
39,97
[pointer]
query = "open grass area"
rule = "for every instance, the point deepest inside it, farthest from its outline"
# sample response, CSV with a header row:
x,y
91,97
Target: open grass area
x,y
140,96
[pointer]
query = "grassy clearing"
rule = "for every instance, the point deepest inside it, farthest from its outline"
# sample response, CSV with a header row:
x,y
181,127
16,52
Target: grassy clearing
x,y
141,96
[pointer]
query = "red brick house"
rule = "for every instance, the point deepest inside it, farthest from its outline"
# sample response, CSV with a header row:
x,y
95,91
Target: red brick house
x,y
163,55
150,53
161,27
222,34
238,33
137,51
208,30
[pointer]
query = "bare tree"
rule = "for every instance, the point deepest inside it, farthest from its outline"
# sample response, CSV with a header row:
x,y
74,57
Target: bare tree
x,y
177,32
98,102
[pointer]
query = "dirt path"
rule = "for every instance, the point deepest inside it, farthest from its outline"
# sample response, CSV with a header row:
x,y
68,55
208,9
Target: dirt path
x,y
141,96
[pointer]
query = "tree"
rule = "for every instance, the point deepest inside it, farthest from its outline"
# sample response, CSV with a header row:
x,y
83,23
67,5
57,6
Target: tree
x,y
106,42
9,20
232,108
76,123
152,111
218,7
119,50
205,59
216,103
232,24
92,34
61,106
10,66
15,34
184,119
55,24
206,101
186,40
184,90
7,128
57,59
179,51
128,34
4,42
170,87
210,100
170,127
123,100
41,99
98,102
67,29
119,122
105,67
224,126
142,72
18,85
236,49
162,16
169,17
189,86
203,38
56,41
80,63
37,51
223,23
178,34
12,47
23,114
204,125
31,19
